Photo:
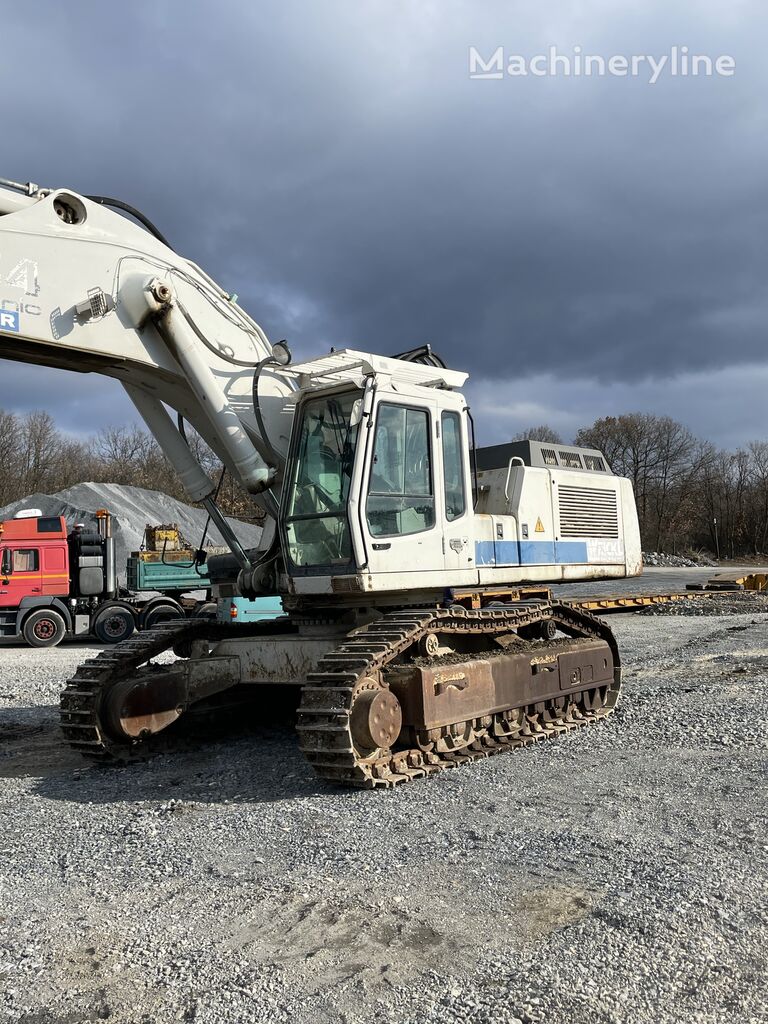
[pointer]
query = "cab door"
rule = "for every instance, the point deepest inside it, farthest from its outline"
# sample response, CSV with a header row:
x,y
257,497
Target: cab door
x,y
401,520
458,515
25,578
5,575
55,574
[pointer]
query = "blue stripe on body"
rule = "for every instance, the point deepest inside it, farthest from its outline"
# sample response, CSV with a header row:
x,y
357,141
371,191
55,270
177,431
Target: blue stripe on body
x,y
485,553
537,552
500,552
530,552
571,551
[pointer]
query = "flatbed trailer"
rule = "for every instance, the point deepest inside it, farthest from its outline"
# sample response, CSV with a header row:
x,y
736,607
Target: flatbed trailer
x,y
599,604
723,583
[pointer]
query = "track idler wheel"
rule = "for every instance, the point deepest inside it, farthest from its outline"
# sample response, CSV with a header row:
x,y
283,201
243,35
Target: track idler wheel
x,y
136,709
376,718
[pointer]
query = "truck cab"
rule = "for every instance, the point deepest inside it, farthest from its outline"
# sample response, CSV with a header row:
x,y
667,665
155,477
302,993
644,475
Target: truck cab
x,y
34,575
55,583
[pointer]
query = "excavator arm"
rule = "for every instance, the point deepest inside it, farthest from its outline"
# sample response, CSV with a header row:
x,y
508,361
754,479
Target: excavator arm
x,y
83,288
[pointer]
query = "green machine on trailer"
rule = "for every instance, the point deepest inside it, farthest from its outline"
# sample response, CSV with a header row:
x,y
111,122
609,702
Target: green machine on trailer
x,y
166,564
169,568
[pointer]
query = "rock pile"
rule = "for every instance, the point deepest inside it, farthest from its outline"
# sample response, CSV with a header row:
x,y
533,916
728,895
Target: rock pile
x,y
658,558
132,509
744,602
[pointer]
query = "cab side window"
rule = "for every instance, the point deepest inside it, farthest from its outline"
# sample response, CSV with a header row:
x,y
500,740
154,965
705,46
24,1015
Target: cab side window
x,y
400,495
26,560
453,466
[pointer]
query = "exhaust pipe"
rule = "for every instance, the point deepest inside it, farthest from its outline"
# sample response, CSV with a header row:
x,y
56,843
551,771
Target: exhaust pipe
x,y
104,520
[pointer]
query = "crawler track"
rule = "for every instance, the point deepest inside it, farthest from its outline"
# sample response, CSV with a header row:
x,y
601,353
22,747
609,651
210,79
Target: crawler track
x,y
365,660
82,701
329,696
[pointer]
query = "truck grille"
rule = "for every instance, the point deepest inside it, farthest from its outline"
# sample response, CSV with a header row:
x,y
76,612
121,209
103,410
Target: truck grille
x,y
588,512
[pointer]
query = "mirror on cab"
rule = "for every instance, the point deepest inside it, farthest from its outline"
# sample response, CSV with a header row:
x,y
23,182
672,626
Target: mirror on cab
x,y
6,566
357,412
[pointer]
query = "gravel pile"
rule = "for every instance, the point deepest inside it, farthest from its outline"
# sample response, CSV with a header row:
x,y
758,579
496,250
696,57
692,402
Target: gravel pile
x,y
616,876
132,508
658,558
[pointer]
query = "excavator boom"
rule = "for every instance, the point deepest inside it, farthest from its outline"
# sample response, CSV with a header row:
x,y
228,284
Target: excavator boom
x,y
82,288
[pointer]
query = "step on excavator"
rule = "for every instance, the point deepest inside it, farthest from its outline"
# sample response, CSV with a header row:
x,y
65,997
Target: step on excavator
x,y
414,570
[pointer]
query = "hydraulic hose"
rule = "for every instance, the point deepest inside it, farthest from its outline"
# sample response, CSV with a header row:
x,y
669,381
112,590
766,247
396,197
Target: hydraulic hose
x,y
118,204
257,407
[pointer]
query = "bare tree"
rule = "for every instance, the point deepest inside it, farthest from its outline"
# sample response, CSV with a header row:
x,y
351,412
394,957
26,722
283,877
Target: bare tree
x,y
10,429
541,433
39,452
673,476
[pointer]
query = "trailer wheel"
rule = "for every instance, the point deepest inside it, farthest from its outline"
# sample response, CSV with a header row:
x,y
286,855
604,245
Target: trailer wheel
x,y
44,628
162,612
114,624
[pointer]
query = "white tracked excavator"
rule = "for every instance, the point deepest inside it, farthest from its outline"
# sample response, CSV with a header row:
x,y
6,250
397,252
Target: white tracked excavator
x,y
419,626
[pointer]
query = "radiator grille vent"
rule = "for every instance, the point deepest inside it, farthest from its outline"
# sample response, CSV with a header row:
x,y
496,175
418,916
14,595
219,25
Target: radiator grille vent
x,y
588,512
346,584
549,457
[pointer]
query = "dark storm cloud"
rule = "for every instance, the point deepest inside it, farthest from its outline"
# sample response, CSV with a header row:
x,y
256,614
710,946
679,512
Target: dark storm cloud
x,y
334,165
81,404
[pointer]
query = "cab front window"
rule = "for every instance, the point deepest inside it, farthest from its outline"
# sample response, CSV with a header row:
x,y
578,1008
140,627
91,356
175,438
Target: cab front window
x,y
316,521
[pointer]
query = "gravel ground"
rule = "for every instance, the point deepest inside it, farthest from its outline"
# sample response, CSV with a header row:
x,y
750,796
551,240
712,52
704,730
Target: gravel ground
x,y
706,605
617,875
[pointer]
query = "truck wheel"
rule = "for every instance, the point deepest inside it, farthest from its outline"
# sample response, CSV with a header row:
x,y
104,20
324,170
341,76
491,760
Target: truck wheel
x,y
113,625
44,628
161,613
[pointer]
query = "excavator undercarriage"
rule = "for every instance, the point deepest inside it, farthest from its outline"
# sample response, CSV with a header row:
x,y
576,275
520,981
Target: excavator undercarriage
x,y
411,693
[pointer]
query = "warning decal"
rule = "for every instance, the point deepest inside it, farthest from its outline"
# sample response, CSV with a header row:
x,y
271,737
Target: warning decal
x,y
539,525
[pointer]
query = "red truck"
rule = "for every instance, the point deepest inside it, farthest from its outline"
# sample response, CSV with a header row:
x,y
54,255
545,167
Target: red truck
x,y
55,584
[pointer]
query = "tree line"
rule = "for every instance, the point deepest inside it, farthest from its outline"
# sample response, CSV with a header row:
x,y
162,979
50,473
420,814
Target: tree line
x,y
690,494
37,457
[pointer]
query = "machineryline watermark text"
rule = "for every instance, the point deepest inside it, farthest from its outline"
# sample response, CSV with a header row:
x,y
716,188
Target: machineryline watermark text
x,y
678,63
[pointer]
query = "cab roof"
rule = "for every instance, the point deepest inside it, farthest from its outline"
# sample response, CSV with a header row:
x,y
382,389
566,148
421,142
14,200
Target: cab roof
x,y
37,528
348,364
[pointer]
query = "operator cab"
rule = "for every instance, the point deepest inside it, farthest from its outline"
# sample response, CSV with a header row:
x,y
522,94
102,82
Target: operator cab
x,y
399,499
377,485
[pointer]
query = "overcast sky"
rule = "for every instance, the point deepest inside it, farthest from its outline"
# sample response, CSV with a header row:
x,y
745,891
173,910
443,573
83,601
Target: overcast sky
x,y
582,245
